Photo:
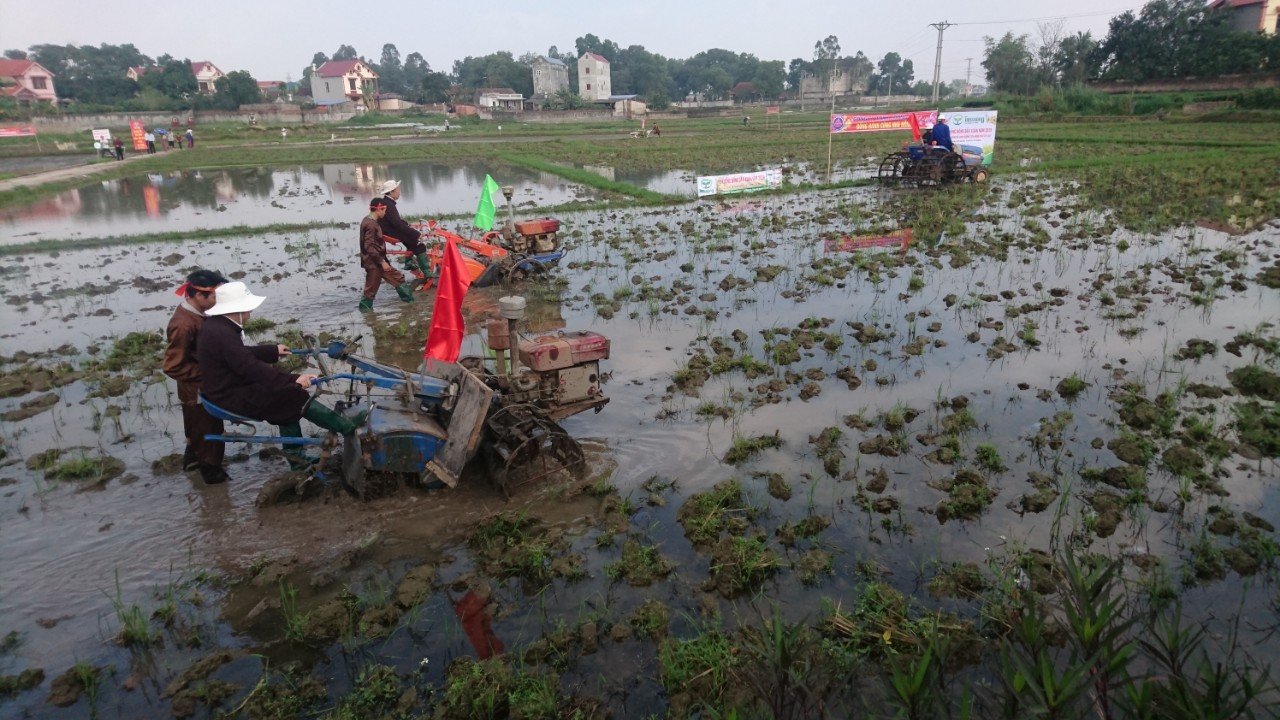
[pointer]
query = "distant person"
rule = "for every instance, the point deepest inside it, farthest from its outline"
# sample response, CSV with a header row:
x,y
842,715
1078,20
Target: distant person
x,y
240,379
941,135
168,136
150,139
746,120
198,295
284,134
657,131
119,146
395,229
373,258
191,139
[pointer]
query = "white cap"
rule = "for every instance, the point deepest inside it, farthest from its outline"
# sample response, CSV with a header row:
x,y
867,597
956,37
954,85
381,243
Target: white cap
x,y
388,186
234,297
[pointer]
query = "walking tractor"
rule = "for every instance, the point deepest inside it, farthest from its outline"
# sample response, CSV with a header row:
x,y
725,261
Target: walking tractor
x,y
919,164
426,426
521,250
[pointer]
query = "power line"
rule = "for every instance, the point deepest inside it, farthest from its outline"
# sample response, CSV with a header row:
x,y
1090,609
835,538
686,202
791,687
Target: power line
x,y
1050,17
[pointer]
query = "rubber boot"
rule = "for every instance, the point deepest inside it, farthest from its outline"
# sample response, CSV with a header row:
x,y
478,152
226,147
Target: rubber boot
x,y
331,420
405,292
425,266
366,305
212,474
189,461
296,454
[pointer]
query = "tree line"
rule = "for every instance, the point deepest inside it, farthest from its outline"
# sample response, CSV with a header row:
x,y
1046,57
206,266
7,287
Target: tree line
x,y
1167,39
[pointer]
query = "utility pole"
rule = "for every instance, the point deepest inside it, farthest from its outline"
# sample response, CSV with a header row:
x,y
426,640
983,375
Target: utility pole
x,y
937,63
889,100
967,71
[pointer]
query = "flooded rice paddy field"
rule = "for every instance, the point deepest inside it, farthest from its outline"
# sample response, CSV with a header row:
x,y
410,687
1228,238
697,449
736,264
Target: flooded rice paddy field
x,y
822,457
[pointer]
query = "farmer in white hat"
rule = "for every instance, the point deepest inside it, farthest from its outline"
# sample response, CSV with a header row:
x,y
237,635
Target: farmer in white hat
x,y
395,229
241,380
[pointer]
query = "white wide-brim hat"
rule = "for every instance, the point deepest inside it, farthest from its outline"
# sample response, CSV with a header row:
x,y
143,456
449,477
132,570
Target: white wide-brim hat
x,y
388,186
234,297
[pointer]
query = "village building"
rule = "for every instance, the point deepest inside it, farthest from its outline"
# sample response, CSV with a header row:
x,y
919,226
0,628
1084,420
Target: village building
x,y
815,86
339,81
1252,15
207,75
500,99
593,78
135,73
550,76
27,82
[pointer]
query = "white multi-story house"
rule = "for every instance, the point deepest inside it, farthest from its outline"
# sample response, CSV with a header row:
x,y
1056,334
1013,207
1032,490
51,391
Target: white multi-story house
x,y
593,77
341,80
500,99
550,76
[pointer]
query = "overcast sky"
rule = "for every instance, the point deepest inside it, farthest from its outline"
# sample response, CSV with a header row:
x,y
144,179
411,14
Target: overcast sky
x,y
275,39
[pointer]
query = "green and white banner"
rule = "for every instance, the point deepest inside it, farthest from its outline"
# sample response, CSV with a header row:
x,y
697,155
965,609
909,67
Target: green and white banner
x,y
739,182
973,132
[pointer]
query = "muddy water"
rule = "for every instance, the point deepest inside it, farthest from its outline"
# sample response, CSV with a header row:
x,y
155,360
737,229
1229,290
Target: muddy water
x,y
196,199
61,550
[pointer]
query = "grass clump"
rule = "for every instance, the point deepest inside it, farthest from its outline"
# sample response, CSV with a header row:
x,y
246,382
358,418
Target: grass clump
x,y
517,546
744,447
968,495
1258,426
1071,386
650,620
640,565
742,564
704,516
696,672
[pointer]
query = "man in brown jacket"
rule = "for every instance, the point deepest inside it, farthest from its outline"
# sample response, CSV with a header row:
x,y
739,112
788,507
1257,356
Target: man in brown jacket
x,y
373,258
197,295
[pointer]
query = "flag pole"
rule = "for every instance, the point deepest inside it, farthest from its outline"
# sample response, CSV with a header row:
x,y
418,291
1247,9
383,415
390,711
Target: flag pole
x,y
833,112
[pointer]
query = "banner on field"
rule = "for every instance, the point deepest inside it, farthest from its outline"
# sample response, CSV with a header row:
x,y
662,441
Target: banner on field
x,y
772,110
739,183
973,132
900,240
17,131
843,123
102,136
139,132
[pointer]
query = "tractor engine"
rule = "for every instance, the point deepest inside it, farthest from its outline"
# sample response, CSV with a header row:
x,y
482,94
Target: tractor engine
x,y
533,237
561,372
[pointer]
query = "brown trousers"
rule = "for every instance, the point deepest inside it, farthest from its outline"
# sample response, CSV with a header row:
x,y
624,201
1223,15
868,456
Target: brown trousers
x,y
196,423
374,276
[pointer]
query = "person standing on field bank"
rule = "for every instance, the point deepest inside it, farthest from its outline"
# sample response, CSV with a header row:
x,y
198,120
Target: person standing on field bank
x,y
395,229
119,146
198,294
373,258
191,139
150,138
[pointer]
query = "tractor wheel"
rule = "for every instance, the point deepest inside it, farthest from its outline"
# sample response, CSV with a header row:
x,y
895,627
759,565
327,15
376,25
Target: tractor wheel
x,y
981,175
527,269
951,168
890,170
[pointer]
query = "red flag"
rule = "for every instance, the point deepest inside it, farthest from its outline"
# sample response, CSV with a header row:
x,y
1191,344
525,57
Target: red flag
x,y
444,340
914,122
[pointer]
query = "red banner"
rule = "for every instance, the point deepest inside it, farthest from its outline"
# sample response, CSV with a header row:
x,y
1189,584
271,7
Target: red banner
x,y
18,131
139,132
881,122
772,110
901,239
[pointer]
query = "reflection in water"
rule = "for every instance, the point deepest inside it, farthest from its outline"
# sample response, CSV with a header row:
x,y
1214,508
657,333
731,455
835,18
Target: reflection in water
x,y
197,199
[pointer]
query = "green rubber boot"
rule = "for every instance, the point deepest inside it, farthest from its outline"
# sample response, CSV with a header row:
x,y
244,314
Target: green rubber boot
x,y
295,454
405,292
425,266
331,420
366,305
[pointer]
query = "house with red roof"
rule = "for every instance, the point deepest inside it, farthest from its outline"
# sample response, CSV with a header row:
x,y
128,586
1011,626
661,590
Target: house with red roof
x,y
593,77
339,81
135,73
207,75
27,82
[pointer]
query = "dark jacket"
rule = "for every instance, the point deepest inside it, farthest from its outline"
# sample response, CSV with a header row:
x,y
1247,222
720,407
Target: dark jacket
x,y
394,226
942,136
240,379
373,249
180,355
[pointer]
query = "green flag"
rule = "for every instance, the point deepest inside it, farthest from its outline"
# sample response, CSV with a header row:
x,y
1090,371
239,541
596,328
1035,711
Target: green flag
x,y
485,210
